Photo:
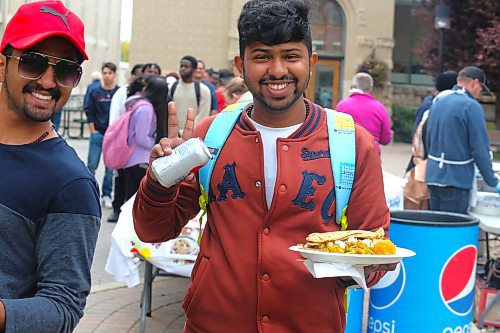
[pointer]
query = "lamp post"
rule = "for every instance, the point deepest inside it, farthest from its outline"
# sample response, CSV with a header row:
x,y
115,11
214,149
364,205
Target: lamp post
x,y
441,22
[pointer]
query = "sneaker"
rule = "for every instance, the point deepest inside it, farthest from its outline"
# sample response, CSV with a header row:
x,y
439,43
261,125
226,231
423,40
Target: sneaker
x,y
107,202
113,218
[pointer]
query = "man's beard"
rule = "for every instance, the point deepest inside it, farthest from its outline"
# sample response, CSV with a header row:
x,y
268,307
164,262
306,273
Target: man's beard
x,y
187,76
268,104
32,113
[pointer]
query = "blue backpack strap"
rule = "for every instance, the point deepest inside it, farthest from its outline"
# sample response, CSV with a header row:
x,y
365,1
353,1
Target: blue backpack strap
x,y
216,137
342,146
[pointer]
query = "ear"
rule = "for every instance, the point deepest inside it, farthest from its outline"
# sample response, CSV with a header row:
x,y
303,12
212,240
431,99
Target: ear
x,y
238,62
3,64
313,59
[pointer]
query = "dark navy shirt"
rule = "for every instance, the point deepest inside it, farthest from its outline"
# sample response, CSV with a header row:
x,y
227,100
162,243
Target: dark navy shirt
x,y
97,105
49,221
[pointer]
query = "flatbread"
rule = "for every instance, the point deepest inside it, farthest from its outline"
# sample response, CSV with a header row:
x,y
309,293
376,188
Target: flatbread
x,y
317,238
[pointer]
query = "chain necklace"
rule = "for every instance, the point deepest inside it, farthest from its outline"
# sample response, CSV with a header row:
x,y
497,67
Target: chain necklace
x,y
43,136
249,111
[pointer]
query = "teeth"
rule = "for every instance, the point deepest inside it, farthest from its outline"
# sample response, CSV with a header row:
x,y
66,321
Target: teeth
x,y
40,96
278,86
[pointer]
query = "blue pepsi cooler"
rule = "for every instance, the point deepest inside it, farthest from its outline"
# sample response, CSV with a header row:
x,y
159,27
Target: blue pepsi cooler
x,y
433,291
355,300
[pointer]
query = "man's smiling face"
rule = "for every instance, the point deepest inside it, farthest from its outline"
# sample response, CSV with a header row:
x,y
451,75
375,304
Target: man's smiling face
x,y
39,99
277,75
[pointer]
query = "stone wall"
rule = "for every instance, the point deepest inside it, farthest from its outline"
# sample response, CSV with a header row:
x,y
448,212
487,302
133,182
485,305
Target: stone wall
x,y
409,96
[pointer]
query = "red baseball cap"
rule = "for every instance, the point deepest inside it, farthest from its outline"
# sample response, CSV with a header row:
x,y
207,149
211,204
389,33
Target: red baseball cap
x,y
36,21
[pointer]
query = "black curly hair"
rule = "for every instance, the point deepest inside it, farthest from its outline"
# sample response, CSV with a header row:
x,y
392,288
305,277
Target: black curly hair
x,y
273,22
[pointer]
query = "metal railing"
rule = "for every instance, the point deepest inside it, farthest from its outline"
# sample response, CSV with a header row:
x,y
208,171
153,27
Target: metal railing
x,y
73,119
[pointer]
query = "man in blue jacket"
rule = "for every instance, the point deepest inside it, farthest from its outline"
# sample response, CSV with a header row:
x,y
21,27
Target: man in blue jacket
x,y
457,139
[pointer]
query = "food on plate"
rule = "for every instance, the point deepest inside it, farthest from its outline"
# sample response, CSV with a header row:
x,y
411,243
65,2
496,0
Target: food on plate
x,y
182,246
351,242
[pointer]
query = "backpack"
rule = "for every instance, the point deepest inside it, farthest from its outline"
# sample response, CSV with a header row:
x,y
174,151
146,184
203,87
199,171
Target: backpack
x,y
196,90
115,149
341,143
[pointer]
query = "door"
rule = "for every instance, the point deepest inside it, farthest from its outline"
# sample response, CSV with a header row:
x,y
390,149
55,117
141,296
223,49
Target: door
x,y
324,85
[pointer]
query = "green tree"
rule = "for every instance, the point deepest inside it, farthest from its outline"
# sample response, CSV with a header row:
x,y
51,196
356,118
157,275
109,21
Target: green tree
x,y
125,46
473,39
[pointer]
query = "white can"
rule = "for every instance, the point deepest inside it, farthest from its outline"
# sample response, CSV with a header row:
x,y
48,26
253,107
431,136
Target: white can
x,y
185,158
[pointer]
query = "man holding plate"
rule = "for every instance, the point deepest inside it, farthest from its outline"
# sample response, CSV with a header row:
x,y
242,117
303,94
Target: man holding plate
x,y
271,186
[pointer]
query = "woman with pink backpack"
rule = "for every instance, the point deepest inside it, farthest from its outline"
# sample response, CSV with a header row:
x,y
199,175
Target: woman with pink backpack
x,y
129,139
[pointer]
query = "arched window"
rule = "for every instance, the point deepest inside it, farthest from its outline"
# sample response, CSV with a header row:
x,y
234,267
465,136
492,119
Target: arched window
x,y
327,28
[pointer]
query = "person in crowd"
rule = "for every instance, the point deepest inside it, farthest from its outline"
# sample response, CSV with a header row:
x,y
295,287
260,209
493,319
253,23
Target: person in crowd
x,y
237,91
97,108
49,201
143,129
416,193
224,76
213,77
189,93
151,69
366,110
135,87
245,278
456,138
325,98
96,78
96,81
172,77
444,81
201,75
116,109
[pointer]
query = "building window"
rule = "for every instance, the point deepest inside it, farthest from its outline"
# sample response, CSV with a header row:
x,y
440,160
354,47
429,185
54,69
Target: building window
x,y
327,28
408,31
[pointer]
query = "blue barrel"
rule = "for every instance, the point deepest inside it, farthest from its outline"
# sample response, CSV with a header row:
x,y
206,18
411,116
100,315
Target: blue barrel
x,y
433,291
355,300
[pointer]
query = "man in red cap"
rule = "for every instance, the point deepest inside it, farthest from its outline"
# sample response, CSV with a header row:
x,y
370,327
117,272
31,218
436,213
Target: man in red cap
x,y
49,201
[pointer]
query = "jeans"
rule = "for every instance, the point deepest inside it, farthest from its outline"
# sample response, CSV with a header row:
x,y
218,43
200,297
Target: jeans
x,y
94,156
449,199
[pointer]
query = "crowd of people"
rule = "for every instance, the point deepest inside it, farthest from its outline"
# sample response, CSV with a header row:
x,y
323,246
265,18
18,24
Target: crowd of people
x,y
259,202
193,87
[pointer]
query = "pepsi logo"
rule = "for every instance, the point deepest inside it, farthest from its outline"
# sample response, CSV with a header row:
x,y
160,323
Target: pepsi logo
x,y
389,289
456,281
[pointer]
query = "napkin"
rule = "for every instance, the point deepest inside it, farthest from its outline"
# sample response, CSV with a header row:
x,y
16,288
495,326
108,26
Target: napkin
x,y
323,269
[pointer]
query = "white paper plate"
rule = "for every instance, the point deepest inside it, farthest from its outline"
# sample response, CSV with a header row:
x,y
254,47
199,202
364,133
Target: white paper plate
x,y
355,259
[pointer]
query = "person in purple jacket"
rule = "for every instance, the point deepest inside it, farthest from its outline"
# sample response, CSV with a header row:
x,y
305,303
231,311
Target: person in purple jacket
x,y
366,110
146,125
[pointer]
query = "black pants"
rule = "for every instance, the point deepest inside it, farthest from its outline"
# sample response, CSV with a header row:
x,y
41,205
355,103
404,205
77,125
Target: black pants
x,y
119,197
133,177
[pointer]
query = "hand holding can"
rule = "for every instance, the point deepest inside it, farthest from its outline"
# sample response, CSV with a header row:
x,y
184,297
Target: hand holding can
x,y
173,139
184,159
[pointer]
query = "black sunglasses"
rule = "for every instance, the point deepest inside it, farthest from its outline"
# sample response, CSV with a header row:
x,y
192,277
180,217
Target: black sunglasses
x,y
32,65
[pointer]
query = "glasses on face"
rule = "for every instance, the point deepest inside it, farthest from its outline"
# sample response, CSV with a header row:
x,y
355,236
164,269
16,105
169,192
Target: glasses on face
x,y
32,65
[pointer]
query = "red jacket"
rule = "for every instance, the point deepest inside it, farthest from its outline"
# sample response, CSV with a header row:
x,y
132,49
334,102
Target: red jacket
x,y
245,279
